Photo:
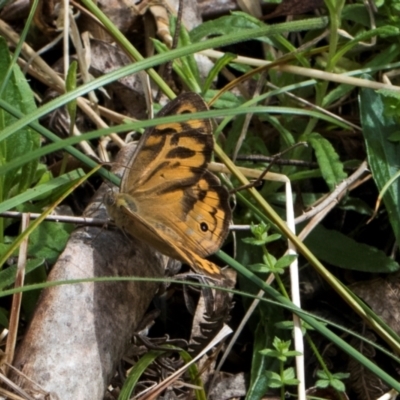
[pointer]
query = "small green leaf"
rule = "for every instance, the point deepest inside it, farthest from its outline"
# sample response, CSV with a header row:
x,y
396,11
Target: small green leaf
x,y
289,377
322,383
273,238
289,373
260,268
261,236
333,380
269,353
338,385
285,261
273,379
269,265
322,374
328,160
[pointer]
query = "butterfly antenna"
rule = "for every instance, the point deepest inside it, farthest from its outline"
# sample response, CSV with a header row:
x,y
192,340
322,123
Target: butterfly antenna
x,y
274,159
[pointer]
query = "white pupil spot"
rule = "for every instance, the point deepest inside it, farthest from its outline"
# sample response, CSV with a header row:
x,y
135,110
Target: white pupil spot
x,y
204,227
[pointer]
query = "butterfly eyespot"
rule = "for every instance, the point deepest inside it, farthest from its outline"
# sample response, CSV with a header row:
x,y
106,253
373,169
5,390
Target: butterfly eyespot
x,y
204,227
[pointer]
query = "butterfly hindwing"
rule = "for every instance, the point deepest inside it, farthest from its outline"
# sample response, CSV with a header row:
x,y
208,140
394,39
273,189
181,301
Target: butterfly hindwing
x,y
162,238
208,214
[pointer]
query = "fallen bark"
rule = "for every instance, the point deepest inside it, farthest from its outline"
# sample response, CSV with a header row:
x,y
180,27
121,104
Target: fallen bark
x,y
80,331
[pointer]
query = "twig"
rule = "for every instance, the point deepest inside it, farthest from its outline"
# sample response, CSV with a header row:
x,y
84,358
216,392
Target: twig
x,y
87,221
281,161
343,186
17,297
59,218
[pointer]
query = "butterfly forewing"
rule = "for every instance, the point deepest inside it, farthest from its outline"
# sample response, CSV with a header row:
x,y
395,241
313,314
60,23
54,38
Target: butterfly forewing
x,y
171,153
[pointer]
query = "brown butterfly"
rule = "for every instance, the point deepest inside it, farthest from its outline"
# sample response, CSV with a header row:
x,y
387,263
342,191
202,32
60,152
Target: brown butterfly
x,y
168,198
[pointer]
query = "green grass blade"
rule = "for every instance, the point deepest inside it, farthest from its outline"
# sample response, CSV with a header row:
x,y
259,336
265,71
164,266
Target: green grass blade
x,y
383,154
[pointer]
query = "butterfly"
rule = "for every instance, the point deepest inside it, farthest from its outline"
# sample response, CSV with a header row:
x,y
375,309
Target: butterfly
x,y
167,196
